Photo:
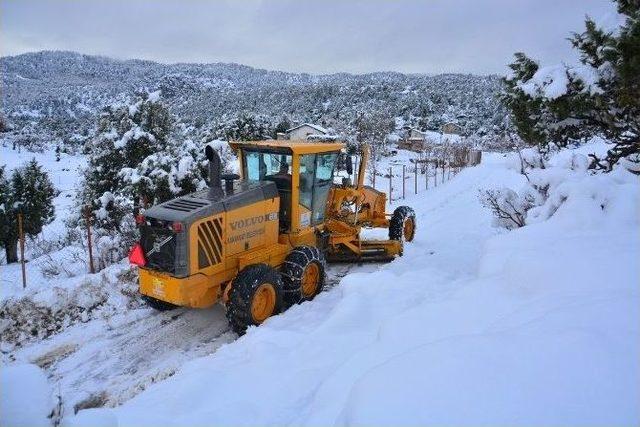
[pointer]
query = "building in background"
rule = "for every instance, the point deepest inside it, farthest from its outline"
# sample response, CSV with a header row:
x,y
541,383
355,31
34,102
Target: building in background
x,y
419,140
304,131
451,128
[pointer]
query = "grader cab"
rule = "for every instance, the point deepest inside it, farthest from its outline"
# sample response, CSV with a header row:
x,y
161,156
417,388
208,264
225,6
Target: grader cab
x,y
260,243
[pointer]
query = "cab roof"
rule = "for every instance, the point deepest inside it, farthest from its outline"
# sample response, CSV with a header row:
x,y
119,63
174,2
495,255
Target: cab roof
x,y
295,146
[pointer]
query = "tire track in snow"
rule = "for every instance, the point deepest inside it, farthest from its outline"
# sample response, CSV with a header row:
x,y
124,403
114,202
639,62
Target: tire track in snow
x,y
106,362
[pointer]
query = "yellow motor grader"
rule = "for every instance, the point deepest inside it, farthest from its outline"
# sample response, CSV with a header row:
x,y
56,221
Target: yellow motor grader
x,y
259,243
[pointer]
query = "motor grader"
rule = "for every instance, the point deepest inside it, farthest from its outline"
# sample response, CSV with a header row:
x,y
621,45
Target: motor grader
x,y
260,243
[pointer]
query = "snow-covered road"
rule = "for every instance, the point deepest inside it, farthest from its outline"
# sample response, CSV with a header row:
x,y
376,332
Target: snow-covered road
x,y
105,362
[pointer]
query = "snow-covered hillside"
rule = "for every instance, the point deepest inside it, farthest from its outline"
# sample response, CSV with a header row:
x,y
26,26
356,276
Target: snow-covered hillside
x,y
54,98
473,325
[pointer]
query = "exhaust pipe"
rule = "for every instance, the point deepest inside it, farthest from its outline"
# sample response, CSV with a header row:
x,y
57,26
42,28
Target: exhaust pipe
x,y
215,188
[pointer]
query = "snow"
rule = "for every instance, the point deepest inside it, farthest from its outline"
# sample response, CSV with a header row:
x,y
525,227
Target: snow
x,y
311,125
29,403
154,96
473,325
539,325
588,75
550,81
95,417
135,134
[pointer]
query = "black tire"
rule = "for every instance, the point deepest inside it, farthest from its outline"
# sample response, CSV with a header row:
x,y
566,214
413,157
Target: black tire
x,y
243,290
400,216
293,271
158,304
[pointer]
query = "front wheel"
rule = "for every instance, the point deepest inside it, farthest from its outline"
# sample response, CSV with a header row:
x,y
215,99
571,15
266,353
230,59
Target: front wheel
x,y
402,225
255,295
303,273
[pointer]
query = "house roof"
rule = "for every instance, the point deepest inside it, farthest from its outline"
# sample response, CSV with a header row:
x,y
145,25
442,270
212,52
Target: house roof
x,y
316,127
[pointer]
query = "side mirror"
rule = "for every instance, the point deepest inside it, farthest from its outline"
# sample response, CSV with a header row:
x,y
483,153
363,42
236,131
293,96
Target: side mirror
x,y
349,164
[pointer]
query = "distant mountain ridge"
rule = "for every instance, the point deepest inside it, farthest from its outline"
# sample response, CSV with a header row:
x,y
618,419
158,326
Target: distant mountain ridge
x,y
49,90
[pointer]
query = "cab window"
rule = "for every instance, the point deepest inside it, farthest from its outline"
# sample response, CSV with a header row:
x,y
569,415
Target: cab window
x,y
258,166
275,167
316,178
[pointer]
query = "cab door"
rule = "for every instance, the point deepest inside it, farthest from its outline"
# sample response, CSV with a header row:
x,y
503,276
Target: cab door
x,y
315,179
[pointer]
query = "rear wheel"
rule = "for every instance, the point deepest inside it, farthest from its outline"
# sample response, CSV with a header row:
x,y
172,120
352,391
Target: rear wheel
x,y
158,304
255,295
303,274
402,225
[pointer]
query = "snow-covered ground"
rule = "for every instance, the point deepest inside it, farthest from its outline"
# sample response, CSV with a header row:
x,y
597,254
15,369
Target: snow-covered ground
x,y
473,325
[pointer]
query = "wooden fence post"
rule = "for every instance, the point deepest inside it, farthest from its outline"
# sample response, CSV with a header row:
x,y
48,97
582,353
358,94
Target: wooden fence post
x,y
426,176
435,174
87,219
403,180
374,177
390,184
415,179
355,170
21,236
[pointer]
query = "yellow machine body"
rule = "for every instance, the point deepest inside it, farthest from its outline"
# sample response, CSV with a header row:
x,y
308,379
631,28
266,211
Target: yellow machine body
x,y
223,243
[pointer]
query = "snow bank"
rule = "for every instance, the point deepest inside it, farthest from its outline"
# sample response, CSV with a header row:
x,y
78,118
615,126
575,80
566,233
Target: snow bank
x,y
25,399
540,325
95,417
39,312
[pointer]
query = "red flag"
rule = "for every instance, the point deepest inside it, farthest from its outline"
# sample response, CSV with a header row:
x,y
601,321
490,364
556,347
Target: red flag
x,y
136,256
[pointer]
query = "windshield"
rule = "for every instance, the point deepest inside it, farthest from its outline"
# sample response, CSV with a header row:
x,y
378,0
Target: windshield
x,y
258,165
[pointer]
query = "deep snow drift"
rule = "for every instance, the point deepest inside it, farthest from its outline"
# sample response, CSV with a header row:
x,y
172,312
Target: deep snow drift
x,y
473,325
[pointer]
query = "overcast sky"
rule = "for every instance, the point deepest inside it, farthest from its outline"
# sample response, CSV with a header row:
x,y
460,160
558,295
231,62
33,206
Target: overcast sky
x,y
430,36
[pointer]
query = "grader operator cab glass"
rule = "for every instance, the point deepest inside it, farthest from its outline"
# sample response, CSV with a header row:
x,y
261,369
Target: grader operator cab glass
x,y
276,167
315,180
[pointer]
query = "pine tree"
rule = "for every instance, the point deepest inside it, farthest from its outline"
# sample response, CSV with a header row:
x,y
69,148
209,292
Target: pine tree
x,y
616,108
599,97
283,126
126,137
524,109
30,192
6,226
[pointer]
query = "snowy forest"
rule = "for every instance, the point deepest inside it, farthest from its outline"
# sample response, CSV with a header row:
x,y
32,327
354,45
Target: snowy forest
x,y
54,98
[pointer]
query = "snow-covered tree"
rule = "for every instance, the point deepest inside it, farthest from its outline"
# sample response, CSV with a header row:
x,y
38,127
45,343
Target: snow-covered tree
x,y
30,192
128,137
601,95
136,159
244,127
